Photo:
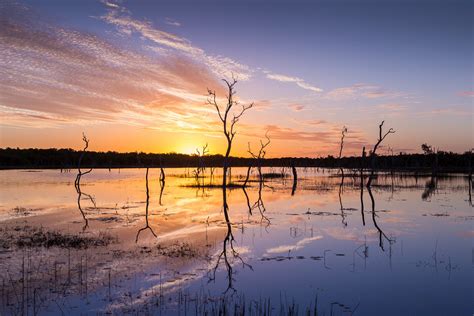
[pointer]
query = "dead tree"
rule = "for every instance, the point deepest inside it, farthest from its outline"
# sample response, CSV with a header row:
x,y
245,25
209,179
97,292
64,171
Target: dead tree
x,y
373,154
80,173
77,182
201,167
259,156
341,185
362,185
147,224
343,135
228,118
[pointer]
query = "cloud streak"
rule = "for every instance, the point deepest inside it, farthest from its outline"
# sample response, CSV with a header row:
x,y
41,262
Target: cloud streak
x,y
49,73
360,90
298,81
219,65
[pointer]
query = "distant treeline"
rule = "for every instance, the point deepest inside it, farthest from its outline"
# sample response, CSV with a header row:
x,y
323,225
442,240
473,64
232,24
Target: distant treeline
x,y
11,158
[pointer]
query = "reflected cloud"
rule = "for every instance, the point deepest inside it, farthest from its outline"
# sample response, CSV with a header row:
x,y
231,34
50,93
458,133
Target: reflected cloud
x,y
299,245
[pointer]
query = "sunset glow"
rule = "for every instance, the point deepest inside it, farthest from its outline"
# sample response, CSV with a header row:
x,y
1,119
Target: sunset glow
x,y
133,75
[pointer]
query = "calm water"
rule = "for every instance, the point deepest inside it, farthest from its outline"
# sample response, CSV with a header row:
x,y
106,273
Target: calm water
x,y
409,252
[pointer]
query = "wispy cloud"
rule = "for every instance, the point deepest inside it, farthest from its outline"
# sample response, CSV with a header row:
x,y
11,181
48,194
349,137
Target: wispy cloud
x,y
392,106
360,90
466,93
449,111
49,73
296,107
220,65
298,81
172,22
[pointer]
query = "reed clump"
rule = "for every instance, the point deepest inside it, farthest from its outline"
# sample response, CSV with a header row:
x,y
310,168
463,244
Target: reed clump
x,y
36,237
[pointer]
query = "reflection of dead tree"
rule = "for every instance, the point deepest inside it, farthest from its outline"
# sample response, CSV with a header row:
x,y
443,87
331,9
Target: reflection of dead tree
x,y
162,184
430,188
381,233
295,179
147,225
227,122
247,176
79,198
77,182
247,199
228,250
260,206
469,177
362,186
470,190
373,154
258,157
341,185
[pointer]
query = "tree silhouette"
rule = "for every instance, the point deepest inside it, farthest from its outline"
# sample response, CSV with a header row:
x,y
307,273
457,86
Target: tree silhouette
x,y
373,153
228,117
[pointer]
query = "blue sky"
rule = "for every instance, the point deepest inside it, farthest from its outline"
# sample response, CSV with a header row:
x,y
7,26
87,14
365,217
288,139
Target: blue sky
x,y
310,67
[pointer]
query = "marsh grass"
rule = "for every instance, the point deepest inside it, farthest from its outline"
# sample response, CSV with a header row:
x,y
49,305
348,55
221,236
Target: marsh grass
x,y
178,250
35,237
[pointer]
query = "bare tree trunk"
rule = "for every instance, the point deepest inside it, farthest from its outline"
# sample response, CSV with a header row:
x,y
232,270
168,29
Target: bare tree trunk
x,y
362,186
295,179
247,176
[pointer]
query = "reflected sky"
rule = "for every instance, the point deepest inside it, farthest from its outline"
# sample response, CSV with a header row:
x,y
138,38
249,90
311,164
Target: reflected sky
x,y
300,247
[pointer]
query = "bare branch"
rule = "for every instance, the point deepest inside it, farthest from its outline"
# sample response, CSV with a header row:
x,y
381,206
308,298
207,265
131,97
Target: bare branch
x,y
343,135
227,123
373,154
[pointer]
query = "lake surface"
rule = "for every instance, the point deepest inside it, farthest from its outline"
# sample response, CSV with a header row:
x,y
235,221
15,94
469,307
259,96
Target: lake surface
x,y
407,250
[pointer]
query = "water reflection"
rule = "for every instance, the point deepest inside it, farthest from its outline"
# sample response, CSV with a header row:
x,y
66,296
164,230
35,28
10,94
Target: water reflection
x,y
341,186
147,224
305,251
77,182
430,188
77,185
374,215
162,184
228,249
259,203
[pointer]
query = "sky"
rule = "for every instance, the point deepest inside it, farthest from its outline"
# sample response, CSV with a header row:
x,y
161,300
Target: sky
x,y
133,75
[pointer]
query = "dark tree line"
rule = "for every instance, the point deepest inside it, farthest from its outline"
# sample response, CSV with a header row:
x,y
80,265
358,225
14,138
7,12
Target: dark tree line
x,y
68,158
